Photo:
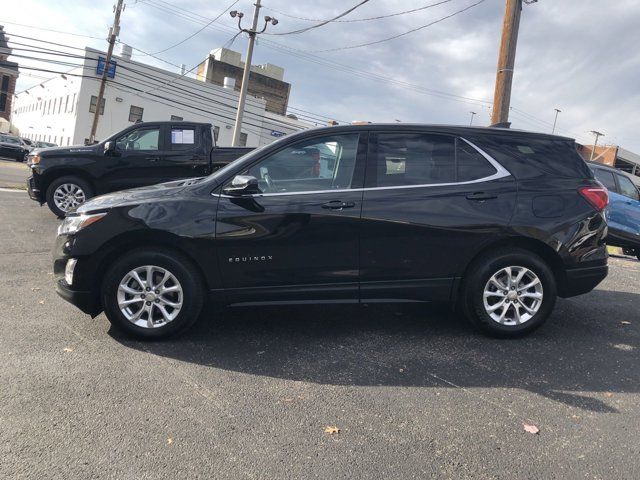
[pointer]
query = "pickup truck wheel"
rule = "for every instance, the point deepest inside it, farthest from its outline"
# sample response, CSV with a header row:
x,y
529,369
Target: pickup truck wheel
x,y
152,293
66,193
508,293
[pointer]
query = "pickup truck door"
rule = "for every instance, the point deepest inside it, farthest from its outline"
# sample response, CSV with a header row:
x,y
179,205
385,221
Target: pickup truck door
x,y
187,154
137,160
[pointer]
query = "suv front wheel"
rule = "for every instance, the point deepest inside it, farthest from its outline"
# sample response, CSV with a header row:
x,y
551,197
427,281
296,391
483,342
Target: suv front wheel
x,y
508,293
152,293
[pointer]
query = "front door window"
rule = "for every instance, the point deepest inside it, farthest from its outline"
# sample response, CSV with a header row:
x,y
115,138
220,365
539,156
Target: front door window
x,y
143,139
325,163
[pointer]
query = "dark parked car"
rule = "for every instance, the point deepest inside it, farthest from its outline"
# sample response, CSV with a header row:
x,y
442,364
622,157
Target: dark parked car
x,y
499,222
13,147
44,144
143,154
623,211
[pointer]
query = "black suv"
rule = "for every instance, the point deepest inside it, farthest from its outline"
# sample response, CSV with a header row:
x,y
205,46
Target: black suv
x,y
499,222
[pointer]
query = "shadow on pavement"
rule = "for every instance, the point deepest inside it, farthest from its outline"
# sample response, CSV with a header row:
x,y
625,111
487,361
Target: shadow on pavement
x,y
583,348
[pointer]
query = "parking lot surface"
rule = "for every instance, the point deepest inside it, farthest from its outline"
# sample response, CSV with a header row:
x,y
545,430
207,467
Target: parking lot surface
x,y
249,392
13,174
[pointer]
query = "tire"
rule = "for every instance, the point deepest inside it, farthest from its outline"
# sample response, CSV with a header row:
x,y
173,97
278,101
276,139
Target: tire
x,y
73,184
133,318
534,305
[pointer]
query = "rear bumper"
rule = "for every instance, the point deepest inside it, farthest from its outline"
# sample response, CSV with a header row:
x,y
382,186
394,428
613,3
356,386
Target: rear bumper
x,y
85,301
583,280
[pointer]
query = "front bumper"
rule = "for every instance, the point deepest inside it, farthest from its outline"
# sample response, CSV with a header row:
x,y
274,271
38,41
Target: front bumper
x,y
85,301
583,280
35,193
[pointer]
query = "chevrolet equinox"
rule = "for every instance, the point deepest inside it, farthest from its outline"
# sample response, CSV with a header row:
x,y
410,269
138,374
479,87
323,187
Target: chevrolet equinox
x,y
498,222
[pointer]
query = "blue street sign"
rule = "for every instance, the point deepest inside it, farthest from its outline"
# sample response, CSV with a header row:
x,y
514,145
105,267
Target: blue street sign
x,y
100,68
276,133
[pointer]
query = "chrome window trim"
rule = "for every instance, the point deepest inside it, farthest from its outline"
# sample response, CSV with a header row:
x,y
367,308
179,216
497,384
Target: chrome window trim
x,y
501,172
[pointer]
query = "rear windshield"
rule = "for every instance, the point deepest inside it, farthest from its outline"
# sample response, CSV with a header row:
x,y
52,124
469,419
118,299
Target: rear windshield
x,y
528,156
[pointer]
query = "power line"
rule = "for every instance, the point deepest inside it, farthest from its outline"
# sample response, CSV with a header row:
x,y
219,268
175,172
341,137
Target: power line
x,y
393,37
48,51
322,23
197,32
379,17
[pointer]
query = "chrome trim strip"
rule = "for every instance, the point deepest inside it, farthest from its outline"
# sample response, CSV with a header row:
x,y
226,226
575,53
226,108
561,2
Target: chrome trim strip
x,y
501,172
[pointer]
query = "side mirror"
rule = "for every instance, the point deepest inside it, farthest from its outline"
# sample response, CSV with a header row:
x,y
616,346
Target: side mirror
x,y
109,148
243,185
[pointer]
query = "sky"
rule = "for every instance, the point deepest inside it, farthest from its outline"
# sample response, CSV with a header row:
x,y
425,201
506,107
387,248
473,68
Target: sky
x,y
579,56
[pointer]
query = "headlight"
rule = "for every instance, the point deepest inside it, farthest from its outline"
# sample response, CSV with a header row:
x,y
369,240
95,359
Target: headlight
x,y
33,159
75,223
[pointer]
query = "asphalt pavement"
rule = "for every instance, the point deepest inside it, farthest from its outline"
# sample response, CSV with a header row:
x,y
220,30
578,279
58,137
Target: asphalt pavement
x,y
13,174
249,392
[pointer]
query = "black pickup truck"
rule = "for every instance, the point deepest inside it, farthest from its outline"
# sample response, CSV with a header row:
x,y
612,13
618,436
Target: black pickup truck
x,y
143,154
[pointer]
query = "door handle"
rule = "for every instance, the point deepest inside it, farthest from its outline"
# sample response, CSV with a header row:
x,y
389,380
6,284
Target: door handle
x,y
338,205
481,196
153,159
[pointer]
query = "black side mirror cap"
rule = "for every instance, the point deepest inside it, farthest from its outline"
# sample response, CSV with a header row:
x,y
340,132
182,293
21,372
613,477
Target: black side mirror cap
x,y
243,185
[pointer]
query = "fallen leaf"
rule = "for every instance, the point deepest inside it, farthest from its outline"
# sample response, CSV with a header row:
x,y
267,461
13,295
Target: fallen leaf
x,y
169,441
531,428
625,322
67,349
609,394
287,400
41,302
331,430
35,289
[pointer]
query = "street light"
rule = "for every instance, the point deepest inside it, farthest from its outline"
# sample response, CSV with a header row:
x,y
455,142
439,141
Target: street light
x,y
555,120
595,144
252,32
473,114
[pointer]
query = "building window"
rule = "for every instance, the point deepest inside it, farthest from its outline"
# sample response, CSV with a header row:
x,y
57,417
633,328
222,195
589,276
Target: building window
x,y
94,102
73,102
243,140
176,118
4,90
216,133
66,104
135,114
60,106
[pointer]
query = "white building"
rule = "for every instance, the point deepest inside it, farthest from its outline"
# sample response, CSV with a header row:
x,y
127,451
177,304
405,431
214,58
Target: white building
x,y
60,110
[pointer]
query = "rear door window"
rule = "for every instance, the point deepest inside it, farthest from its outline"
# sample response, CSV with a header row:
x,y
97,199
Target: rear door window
x,y
606,179
414,159
183,138
471,165
627,188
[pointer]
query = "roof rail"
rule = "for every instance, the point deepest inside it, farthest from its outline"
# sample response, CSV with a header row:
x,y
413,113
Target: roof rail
x,y
501,125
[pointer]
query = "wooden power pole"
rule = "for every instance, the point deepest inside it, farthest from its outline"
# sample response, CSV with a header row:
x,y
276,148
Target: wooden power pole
x,y
113,33
506,61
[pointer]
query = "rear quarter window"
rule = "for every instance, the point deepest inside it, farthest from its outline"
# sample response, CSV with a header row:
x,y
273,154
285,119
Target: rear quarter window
x,y
528,157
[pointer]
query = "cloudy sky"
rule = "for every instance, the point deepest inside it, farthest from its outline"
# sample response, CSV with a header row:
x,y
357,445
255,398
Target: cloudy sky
x,y
580,56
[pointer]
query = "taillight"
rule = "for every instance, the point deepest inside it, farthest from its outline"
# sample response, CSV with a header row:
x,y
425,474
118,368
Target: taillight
x,y
598,197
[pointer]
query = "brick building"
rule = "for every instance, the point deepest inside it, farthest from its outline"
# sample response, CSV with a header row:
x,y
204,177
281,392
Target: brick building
x,y
265,81
8,77
613,156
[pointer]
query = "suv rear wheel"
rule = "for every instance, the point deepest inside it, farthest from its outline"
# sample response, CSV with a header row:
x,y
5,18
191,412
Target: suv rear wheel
x,y
508,293
66,193
152,293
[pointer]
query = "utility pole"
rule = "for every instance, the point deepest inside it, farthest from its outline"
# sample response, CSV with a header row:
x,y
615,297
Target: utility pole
x,y
555,120
473,114
506,62
595,144
247,63
114,31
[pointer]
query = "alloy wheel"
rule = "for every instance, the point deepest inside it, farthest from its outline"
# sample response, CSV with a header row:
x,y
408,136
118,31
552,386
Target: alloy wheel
x,y
68,196
513,295
150,296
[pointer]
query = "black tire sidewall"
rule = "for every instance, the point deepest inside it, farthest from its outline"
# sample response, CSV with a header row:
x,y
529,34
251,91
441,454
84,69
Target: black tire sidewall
x,y
178,265
86,188
488,266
